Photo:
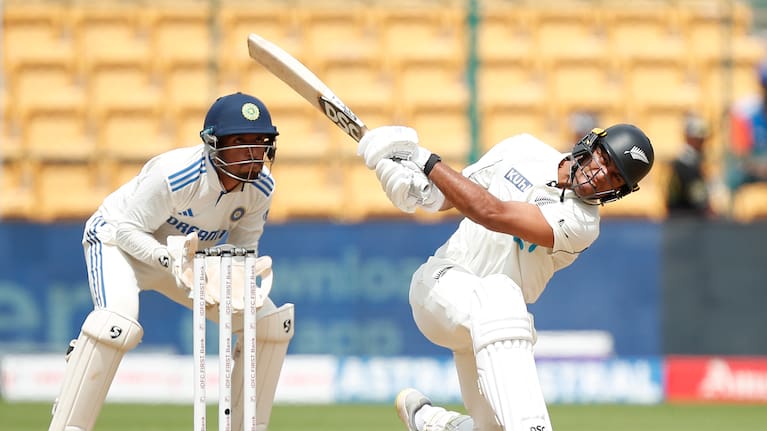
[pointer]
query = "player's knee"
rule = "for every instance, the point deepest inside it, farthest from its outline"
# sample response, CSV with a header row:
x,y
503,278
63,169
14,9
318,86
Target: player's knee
x,y
113,329
499,313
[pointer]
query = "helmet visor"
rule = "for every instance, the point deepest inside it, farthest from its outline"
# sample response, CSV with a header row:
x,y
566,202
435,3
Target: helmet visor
x,y
242,156
596,177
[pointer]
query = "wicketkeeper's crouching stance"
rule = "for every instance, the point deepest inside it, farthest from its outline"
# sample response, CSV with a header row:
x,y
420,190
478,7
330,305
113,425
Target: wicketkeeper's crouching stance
x,y
106,336
220,189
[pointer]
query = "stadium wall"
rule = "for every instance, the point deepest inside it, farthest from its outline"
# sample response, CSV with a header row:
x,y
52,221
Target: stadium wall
x,y
349,284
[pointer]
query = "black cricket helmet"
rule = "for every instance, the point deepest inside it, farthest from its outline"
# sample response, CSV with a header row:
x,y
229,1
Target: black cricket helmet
x,y
238,114
628,148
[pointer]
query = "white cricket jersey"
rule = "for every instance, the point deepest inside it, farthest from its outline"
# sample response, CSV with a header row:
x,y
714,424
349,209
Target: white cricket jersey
x,y
178,192
520,169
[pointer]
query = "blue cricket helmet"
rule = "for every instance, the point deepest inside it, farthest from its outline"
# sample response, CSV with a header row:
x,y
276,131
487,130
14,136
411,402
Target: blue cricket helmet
x,y
236,114
239,114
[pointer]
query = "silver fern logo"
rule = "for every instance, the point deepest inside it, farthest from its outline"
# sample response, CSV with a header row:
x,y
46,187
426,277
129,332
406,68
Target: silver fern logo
x,y
637,153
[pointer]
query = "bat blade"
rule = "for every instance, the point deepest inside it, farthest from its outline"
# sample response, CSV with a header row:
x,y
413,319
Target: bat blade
x,y
304,82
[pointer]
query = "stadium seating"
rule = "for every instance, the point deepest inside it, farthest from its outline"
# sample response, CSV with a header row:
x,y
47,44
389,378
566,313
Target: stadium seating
x,y
338,34
111,34
134,133
750,203
276,23
506,36
68,190
422,34
180,35
33,33
57,133
119,82
313,189
19,198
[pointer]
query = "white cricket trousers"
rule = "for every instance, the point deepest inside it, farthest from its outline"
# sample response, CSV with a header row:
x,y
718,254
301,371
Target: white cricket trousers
x,y
441,295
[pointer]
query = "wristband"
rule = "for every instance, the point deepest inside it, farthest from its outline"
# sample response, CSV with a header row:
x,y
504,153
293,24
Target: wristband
x,y
430,163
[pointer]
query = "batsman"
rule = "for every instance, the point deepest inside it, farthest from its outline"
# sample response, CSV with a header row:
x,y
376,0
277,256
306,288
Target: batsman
x,y
143,237
529,211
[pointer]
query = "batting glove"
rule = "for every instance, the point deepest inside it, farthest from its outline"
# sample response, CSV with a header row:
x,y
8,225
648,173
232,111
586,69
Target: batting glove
x,y
392,142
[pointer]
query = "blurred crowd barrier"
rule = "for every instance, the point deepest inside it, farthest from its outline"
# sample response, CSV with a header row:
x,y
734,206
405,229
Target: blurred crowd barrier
x,y
91,90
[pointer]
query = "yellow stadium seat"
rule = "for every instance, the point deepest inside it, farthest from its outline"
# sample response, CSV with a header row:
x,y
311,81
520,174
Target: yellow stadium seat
x,y
276,23
364,197
587,86
259,82
34,33
422,33
360,83
300,136
647,203
16,182
709,27
110,34
431,83
661,83
665,128
120,86
503,121
136,133
43,86
643,30
123,171
10,144
180,34
569,33
373,116
307,190
188,87
503,83
724,84
750,203
505,35
339,34
443,130
57,134
186,125
72,190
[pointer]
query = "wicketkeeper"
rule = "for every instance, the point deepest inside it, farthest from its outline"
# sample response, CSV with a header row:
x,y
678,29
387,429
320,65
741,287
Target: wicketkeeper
x,y
529,211
200,196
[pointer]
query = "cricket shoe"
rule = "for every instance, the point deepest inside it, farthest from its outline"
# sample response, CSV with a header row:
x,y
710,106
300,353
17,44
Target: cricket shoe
x,y
408,402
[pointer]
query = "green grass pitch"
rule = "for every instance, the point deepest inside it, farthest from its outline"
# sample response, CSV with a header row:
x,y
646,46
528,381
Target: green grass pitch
x,y
356,417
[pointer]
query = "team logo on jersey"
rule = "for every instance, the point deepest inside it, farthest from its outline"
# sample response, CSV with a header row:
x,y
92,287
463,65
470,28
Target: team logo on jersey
x,y
250,111
519,180
237,214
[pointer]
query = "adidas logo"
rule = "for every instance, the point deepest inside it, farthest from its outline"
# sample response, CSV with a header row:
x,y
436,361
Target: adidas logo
x,y
187,212
637,153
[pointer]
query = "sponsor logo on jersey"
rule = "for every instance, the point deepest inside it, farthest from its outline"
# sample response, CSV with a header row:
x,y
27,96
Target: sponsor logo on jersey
x,y
187,212
186,228
518,180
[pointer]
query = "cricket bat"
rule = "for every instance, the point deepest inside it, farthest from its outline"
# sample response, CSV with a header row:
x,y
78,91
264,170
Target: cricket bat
x,y
304,82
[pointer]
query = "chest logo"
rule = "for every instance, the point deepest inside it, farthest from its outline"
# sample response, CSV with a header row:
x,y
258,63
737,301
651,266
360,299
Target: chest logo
x,y
237,214
518,180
